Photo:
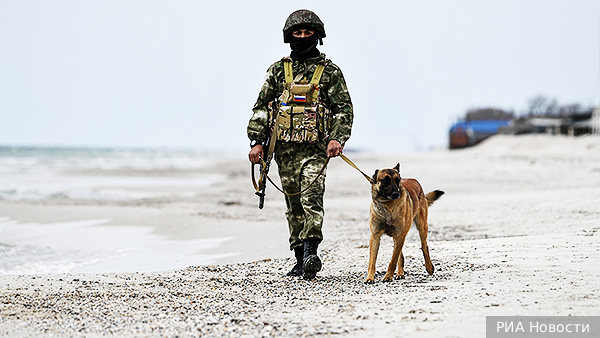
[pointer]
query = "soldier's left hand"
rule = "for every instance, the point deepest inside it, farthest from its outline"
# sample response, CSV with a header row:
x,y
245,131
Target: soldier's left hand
x,y
334,148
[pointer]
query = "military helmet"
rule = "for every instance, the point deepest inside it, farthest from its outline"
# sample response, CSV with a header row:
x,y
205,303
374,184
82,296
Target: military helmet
x,y
302,17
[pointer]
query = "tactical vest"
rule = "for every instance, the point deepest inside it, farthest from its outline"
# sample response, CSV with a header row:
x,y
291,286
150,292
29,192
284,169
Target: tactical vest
x,y
300,114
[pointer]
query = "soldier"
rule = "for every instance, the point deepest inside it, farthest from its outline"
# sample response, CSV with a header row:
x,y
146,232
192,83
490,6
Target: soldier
x,y
304,99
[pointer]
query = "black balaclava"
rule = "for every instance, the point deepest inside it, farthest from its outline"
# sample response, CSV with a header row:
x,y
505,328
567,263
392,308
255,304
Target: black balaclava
x,y
304,48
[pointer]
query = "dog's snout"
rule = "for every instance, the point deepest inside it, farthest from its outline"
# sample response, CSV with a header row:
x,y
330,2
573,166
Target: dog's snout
x,y
395,195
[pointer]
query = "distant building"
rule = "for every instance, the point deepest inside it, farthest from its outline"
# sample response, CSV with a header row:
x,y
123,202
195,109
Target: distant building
x,y
483,123
595,121
535,125
571,125
469,133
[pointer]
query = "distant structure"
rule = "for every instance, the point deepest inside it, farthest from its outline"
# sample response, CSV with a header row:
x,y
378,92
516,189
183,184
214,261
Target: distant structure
x,y
574,124
480,124
596,121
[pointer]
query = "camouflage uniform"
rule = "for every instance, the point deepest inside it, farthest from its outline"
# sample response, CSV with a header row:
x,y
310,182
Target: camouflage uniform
x,y
299,163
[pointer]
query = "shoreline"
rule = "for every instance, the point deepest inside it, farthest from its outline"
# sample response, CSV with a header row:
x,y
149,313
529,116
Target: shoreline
x,y
202,240
515,234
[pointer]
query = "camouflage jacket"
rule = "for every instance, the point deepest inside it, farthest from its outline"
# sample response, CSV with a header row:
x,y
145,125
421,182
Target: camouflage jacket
x,y
334,95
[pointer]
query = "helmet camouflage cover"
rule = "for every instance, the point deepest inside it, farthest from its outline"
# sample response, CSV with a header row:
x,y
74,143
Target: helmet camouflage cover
x,y
302,17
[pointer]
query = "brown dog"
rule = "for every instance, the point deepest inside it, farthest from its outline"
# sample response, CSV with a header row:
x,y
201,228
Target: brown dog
x,y
397,202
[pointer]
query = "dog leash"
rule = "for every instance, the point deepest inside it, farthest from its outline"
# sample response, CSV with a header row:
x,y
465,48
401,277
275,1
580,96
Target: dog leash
x,y
347,160
259,185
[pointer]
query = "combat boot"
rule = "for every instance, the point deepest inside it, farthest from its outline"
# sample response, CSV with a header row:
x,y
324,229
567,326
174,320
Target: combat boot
x,y
312,262
297,269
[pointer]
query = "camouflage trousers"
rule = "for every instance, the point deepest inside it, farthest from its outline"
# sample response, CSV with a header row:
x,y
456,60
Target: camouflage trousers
x,y
299,164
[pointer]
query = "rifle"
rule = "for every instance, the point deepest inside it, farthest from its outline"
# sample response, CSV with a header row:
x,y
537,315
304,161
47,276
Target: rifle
x,y
265,165
262,182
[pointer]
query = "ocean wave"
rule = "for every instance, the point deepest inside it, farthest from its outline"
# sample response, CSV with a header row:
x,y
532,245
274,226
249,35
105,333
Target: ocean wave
x,y
102,174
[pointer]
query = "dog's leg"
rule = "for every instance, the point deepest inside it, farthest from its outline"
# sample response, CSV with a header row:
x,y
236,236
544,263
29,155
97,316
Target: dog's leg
x,y
373,250
421,222
398,244
400,274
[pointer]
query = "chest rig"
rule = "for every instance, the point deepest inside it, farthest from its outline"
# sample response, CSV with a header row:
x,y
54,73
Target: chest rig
x,y
300,114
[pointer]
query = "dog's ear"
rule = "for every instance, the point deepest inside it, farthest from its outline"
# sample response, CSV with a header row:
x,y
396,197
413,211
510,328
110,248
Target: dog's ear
x,y
375,176
397,167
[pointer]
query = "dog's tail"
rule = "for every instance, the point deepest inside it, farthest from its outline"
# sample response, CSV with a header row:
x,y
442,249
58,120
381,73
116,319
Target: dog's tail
x,y
433,196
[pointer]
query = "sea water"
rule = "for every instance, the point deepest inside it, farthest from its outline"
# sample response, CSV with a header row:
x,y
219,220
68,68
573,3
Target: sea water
x,y
38,173
86,246
34,174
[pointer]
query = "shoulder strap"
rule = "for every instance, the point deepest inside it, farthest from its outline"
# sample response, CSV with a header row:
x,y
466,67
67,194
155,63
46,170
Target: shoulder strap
x,y
289,73
316,78
287,69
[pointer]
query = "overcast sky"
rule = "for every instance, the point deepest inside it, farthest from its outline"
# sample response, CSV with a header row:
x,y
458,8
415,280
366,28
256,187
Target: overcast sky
x,y
186,73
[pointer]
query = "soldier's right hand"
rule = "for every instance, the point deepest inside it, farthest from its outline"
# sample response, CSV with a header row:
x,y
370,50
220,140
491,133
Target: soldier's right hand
x,y
256,153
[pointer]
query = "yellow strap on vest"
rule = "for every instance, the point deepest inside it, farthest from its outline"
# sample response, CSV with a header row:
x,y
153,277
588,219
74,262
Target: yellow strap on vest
x,y
287,69
317,74
289,73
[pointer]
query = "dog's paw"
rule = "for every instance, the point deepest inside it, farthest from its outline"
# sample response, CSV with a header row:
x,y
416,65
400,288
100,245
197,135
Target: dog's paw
x,y
387,279
369,281
397,277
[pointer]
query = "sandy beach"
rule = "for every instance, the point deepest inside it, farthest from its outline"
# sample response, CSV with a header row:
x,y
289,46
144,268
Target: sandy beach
x,y
515,234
